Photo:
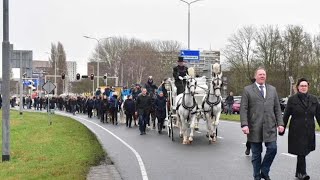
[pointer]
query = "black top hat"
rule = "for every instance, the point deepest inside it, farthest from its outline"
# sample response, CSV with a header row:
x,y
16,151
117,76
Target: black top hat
x,y
180,59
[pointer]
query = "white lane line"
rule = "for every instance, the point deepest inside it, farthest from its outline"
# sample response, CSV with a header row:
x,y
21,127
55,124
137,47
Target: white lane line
x,y
141,164
219,137
244,143
290,155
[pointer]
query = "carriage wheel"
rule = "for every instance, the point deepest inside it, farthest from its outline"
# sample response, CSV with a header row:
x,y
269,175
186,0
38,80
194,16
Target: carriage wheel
x,y
170,127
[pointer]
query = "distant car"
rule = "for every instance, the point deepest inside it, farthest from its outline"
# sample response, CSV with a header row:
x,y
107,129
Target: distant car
x,y
236,106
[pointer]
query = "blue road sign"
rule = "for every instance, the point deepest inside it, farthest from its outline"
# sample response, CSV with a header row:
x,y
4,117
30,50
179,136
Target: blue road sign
x,y
28,82
190,55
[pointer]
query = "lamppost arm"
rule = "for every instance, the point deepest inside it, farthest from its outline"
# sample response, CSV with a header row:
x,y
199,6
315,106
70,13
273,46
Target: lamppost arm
x,y
190,2
98,67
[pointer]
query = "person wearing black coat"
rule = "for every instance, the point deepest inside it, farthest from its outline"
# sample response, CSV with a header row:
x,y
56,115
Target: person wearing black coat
x,y
142,109
90,105
160,106
114,105
104,107
178,73
303,108
129,108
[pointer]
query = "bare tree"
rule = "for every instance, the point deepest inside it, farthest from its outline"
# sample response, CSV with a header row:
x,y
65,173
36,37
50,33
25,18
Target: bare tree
x,y
58,64
240,56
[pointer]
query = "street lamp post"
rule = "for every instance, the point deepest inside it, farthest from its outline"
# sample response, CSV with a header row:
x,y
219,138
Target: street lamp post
x,y
189,4
98,67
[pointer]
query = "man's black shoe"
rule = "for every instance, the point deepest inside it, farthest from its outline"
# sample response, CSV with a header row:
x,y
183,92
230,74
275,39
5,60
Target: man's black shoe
x,y
247,152
265,177
302,176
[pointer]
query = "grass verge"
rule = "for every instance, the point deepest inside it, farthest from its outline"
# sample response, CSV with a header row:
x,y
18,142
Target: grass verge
x,y
64,150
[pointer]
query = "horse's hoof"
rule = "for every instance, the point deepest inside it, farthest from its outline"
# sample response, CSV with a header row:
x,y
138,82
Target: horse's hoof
x,y
180,135
196,129
184,142
210,141
214,139
190,142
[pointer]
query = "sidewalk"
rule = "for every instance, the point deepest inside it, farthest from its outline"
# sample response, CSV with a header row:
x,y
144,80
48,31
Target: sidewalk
x,y
105,171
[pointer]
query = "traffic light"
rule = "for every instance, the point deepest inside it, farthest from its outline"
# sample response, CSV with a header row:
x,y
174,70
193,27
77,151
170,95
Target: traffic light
x,y
92,76
78,76
63,76
104,77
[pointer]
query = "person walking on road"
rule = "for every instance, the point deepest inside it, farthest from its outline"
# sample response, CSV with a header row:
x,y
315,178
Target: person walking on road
x,y
90,105
160,106
114,104
260,115
129,109
229,102
142,110
303,108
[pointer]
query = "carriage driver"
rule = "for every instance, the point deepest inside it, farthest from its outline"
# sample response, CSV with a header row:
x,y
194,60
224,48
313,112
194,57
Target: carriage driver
x,y
178,73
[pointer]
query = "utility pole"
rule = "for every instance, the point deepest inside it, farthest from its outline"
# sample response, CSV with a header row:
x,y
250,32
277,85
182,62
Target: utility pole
x,y
189,4
5,84
21,84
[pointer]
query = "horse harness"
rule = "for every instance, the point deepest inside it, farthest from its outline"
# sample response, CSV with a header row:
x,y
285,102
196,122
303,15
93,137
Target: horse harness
x,y
194,102
211,104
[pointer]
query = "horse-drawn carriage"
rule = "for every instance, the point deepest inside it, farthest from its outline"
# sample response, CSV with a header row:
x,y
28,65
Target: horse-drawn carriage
x,y
200,100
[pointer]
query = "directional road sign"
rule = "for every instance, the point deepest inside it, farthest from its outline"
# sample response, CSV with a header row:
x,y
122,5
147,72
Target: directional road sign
x,y
190,55
48,86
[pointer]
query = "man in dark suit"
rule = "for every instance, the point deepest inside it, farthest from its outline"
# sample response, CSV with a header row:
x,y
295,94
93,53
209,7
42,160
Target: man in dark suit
x,y
260,116
178,73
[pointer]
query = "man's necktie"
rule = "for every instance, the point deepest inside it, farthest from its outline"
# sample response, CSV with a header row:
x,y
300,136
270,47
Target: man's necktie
x,y
261,91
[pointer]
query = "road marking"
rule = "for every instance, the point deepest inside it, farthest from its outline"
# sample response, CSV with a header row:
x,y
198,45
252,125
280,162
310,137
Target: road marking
x,y
290,155
220,137
141,164
317,134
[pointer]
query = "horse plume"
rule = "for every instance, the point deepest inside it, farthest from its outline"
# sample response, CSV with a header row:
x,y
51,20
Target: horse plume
x,y
216,68
191,72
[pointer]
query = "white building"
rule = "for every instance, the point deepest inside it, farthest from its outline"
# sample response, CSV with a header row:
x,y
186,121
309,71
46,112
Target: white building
x,y
203,66
72,70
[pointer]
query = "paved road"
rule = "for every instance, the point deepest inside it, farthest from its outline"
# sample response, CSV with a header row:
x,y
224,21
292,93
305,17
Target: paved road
x,y
156,157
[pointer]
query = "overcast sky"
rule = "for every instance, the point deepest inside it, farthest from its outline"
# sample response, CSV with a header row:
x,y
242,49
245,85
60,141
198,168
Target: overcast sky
x,y
35,24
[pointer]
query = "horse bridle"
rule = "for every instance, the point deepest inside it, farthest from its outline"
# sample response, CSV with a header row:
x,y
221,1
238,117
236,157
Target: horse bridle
x,y
211,104
195,84
216,86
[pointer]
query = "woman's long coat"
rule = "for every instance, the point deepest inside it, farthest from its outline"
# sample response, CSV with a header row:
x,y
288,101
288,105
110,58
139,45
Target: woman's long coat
x,y
301,138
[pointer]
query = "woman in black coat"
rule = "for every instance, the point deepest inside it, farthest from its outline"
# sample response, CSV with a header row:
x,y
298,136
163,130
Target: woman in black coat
x,y
302,107
129,108
160,106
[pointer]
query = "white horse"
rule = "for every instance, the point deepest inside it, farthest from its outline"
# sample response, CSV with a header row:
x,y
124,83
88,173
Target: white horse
x,y
211,106
187,109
